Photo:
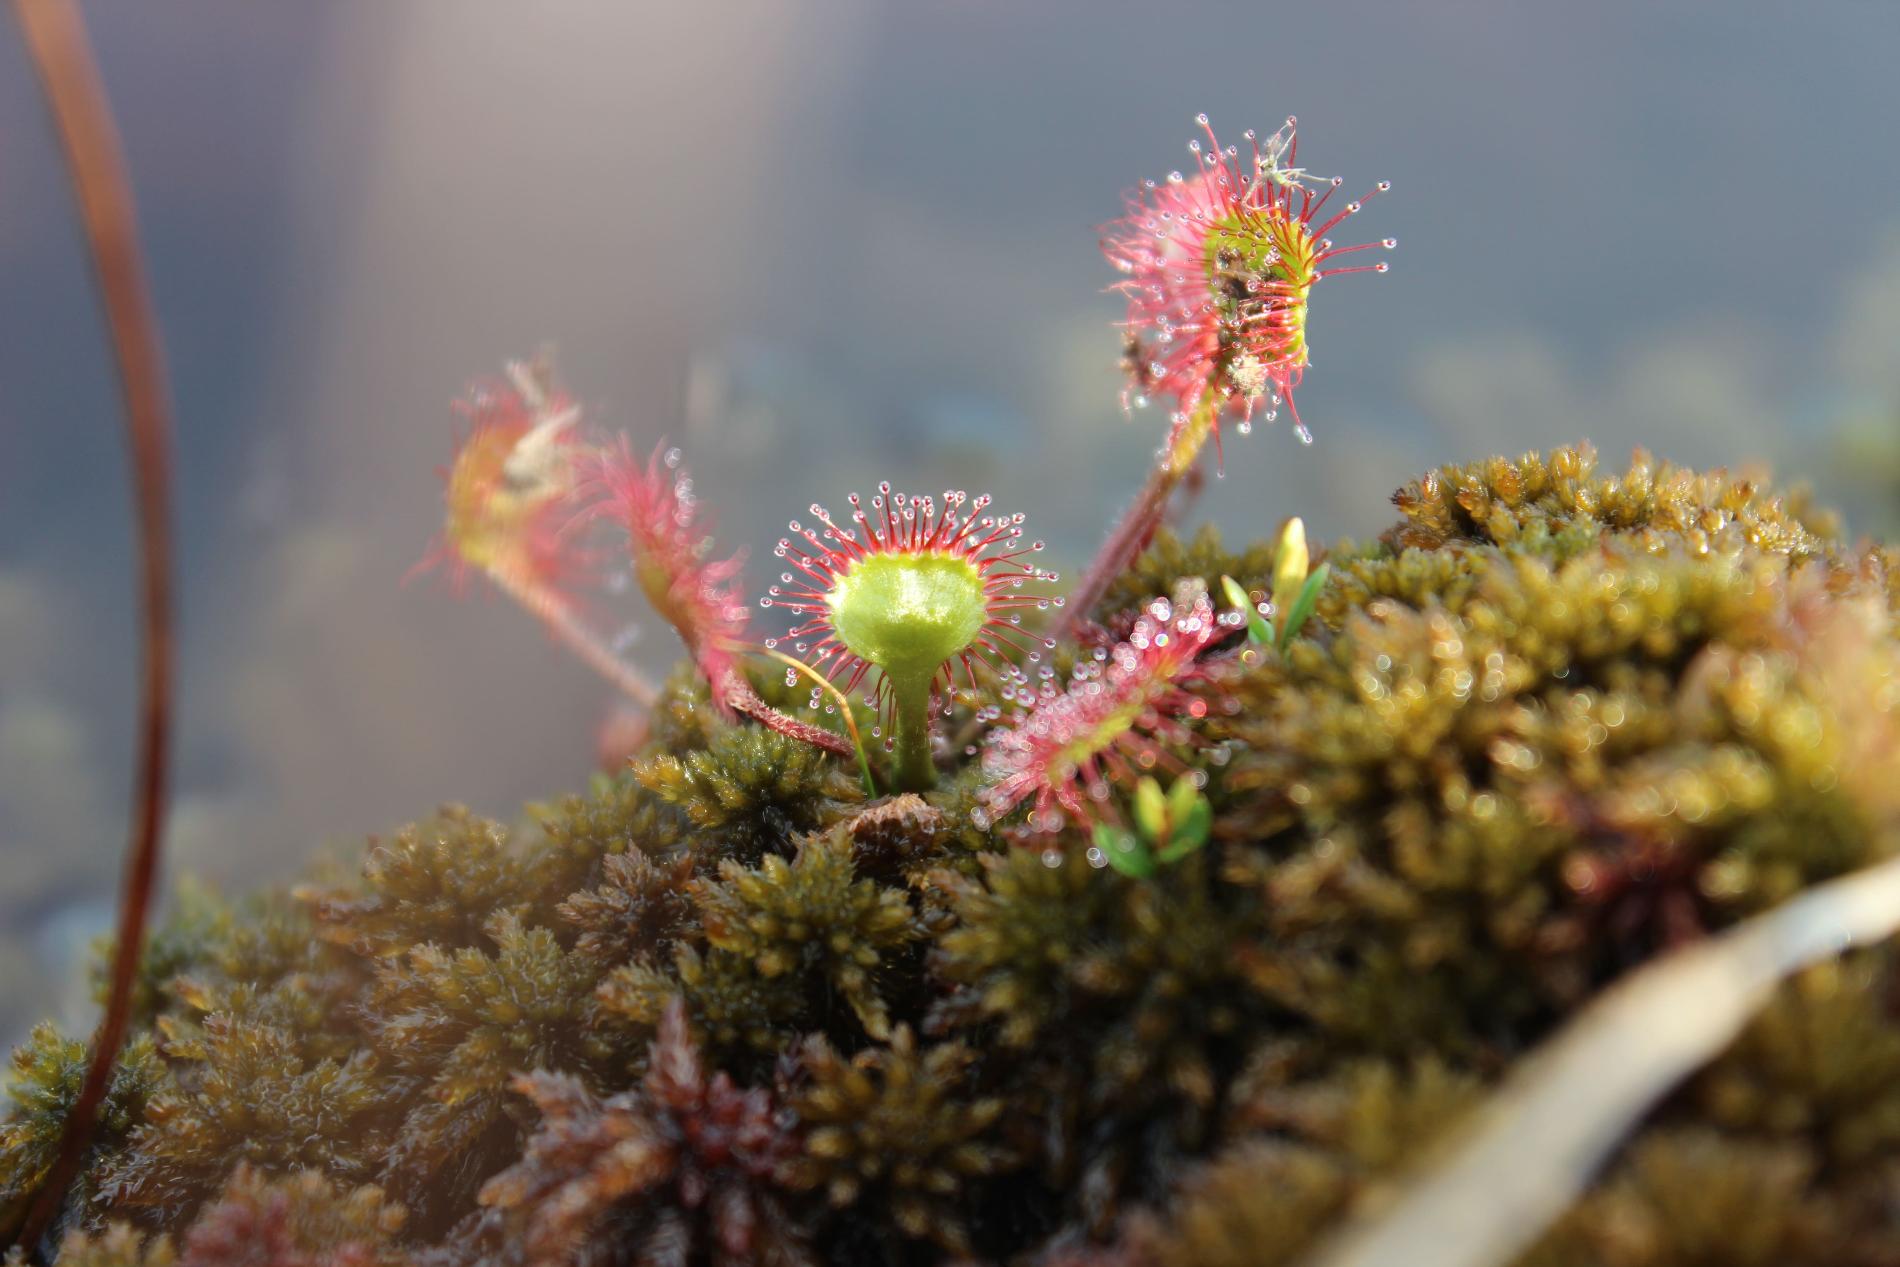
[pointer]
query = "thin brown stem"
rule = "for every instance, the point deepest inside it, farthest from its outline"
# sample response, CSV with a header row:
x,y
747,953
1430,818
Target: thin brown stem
x,y
56,41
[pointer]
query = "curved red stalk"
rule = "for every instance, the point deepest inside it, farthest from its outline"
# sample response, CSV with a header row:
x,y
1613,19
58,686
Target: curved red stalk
x,y
56,41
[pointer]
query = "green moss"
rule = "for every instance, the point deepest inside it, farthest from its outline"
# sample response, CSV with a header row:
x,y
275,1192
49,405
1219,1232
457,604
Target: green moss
x,y
1653,504
814,920
438,882
1144,978
615,817
242,1089
895,1128
1169,560
453,1027
298,1220
749,792
737,1009
47,1072
1552,724
1688,1197
1307,1148
1820,1065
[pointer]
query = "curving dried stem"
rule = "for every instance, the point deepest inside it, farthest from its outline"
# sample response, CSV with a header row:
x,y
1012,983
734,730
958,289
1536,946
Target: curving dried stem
x,y
1534,1147
56,41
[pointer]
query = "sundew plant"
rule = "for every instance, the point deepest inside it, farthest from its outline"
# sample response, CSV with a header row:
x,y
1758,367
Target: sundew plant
x,y
1205,911
917,592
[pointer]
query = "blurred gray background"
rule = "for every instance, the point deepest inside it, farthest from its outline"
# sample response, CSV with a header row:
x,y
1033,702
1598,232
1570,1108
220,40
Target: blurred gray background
x,y
816,244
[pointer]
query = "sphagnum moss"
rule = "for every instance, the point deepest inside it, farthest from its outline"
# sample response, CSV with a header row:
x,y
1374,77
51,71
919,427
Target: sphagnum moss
x,y
726,1009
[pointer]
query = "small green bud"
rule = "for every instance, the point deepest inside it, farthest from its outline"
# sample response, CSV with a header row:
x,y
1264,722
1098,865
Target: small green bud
x,y
1290,561
1181,800
1172,825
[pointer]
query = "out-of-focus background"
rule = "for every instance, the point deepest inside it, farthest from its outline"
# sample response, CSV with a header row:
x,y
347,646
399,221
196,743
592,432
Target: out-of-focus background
x,y
817,244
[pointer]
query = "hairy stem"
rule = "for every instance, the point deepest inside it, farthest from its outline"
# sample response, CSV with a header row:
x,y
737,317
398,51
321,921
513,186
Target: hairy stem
x,y
913,768
56,41
731,690
741,698
1138,523
570,632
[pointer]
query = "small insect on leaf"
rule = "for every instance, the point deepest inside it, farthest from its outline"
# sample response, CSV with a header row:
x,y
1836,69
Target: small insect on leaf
x,y
1304,604
1259,631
